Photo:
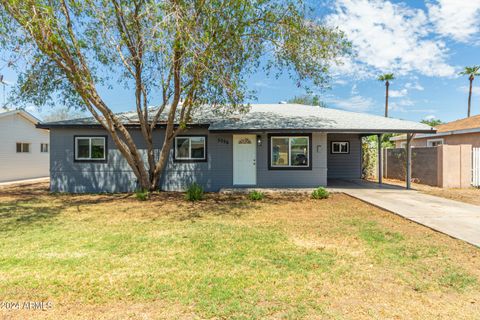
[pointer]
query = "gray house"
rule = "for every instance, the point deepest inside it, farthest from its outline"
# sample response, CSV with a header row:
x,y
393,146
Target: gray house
x,y
274,145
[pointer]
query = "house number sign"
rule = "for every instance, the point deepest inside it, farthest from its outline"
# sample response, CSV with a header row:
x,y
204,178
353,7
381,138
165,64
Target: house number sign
x,y
222,140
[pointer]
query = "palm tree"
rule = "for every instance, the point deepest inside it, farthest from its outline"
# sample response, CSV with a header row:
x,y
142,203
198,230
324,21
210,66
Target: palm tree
x,y
471,72
387,77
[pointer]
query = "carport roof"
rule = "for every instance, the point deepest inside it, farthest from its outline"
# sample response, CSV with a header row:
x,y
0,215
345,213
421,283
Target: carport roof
x,y
279,117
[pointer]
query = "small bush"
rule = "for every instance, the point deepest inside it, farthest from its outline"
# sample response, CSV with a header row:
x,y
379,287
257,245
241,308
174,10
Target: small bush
x,y
320,193
142,194
194,192
256,195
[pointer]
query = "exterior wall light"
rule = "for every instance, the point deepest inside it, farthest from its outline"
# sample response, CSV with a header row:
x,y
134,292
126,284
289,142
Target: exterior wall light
x,y
259,140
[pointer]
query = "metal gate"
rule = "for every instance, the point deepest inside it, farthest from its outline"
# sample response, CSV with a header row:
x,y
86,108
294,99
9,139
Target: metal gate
x,y
476,167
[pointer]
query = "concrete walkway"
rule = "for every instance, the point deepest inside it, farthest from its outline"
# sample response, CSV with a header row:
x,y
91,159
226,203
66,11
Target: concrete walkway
x,y
25,181
457,219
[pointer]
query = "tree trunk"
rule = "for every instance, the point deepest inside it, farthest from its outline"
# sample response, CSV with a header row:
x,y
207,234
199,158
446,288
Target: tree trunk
x,y
387,84
470,97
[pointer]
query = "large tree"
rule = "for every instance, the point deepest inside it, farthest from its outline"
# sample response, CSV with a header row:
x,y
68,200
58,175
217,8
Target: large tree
x,y
471,72
387,77
174,54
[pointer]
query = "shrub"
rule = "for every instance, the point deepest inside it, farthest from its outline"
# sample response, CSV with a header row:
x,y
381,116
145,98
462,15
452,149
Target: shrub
x,y
142,194
194,192
256,195
320,193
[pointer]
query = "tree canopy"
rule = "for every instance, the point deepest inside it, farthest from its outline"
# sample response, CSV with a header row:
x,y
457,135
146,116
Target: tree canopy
x,y
432,122
471,72
172,54
310,100
386,77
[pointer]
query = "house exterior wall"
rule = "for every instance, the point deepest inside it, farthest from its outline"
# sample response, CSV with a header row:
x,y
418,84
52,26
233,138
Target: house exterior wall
x,y
217,172
345,166
454,139
14,166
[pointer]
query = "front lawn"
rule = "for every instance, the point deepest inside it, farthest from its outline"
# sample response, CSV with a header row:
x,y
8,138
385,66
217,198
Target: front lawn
x,y
113,256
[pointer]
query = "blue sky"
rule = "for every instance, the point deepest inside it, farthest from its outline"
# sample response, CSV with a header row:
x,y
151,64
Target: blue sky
x,y
425,44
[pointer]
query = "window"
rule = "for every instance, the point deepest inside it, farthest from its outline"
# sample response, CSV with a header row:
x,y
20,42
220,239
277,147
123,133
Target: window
x,y
44,147
190,148
290,152
340,147
23,147
434,142
90,148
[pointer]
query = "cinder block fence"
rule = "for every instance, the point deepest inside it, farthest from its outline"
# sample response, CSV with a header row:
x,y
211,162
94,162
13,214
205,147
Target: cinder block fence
x,y
446,166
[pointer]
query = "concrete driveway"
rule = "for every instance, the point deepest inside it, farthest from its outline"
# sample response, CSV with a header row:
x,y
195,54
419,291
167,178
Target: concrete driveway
x,y
457,219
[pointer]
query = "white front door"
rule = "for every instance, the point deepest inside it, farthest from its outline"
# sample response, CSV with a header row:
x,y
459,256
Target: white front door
x,y
244,159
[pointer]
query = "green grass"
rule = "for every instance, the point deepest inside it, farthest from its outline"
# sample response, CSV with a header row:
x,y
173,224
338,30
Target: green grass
x,y
226,257
222,269
458,279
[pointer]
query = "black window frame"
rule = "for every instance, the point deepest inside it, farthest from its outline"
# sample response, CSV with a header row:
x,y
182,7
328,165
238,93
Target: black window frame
x,y
280,135
190,136
47,147
90,160
331,147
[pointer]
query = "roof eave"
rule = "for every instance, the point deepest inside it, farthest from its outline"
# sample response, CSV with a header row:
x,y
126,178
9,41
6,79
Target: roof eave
x,y
99,126
363,131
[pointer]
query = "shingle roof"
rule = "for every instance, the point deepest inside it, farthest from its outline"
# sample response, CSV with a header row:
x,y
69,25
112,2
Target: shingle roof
x,y
282,117
296,116
461,124
21,112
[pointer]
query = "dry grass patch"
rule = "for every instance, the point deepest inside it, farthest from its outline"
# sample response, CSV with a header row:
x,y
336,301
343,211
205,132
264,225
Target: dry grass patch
x,y
287,256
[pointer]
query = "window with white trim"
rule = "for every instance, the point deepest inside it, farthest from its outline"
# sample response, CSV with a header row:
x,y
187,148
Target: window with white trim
x,y
44,147
340,147
190,148
23,147
289,151
90,148
434,142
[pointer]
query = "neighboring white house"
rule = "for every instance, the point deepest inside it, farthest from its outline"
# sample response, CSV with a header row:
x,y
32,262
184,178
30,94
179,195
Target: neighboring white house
x,y
24,149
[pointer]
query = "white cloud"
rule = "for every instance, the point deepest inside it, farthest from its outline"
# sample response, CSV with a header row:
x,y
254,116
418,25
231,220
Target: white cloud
x,y
340,82
33,110
430,117
263,84
414,86
389,37
466,89
407,105
354,90
457,19
398,93
354,103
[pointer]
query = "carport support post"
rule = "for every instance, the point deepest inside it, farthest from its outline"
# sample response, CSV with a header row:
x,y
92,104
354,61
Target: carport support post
x,y
380,159
408,178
